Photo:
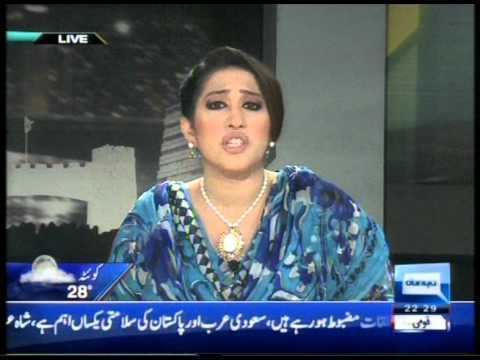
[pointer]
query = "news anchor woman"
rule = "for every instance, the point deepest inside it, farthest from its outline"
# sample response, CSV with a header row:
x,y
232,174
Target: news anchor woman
x,y
241,232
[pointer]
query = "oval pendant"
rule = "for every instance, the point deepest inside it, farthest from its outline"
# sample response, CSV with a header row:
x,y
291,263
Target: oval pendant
x,y
230,242
231,245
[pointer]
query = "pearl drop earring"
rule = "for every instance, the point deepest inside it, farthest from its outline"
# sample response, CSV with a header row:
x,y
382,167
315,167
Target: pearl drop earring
x,y
193,152
271,145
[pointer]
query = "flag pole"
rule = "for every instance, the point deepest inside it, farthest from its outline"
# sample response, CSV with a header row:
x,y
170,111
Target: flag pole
x,y
27,127
26,148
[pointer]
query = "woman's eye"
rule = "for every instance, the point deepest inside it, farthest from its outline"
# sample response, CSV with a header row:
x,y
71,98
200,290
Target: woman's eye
x,y
252,106
215,105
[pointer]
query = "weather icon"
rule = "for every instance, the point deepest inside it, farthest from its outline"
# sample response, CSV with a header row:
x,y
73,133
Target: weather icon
x,y
45,270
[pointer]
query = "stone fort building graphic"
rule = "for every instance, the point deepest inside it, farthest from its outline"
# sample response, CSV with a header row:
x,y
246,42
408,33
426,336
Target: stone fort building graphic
x,y
107,184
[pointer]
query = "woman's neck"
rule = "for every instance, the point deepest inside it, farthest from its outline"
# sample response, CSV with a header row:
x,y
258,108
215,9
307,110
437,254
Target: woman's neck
x,y
233,191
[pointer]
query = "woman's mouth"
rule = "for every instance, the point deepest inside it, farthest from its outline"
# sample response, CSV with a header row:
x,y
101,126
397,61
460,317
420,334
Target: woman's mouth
x,y
235,143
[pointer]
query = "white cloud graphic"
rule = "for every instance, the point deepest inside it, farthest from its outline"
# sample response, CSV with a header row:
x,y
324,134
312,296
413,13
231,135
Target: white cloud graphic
x,y
49,275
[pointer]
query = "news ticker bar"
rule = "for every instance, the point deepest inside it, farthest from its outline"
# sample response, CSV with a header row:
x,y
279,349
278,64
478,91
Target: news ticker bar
x,y
56,38
233,327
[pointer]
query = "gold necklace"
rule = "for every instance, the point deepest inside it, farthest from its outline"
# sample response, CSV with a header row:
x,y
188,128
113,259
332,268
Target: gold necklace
x,y
231,243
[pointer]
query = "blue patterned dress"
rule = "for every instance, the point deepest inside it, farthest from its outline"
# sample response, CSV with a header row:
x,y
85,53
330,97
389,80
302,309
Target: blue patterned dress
x,y
314,243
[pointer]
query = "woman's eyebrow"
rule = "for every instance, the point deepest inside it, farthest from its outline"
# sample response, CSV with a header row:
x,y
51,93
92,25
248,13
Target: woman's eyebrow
x,y
216,92
249,92
226,91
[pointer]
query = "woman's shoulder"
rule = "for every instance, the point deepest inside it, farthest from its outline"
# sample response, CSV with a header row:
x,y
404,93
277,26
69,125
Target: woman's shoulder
x,y
156,199
300,177
305,182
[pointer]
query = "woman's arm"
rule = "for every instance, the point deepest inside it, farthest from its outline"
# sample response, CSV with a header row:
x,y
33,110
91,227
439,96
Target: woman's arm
x,y
356,263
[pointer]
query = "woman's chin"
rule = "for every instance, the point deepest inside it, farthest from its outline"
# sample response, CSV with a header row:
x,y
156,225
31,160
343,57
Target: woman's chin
x,y
241,165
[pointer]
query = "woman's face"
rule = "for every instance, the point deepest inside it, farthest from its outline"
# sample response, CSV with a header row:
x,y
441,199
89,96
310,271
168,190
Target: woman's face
x,y
231,122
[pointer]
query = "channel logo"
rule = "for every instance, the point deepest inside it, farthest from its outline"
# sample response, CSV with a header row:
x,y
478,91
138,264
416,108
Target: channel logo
x,y
421,284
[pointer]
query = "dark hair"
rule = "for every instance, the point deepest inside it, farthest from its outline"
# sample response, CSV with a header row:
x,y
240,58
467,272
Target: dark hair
x,y
223,57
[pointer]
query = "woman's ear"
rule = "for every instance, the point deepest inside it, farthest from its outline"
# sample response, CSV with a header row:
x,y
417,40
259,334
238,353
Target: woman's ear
x,y
187,130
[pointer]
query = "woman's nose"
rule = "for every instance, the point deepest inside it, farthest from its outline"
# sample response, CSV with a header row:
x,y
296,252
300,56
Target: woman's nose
x,y
236,118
